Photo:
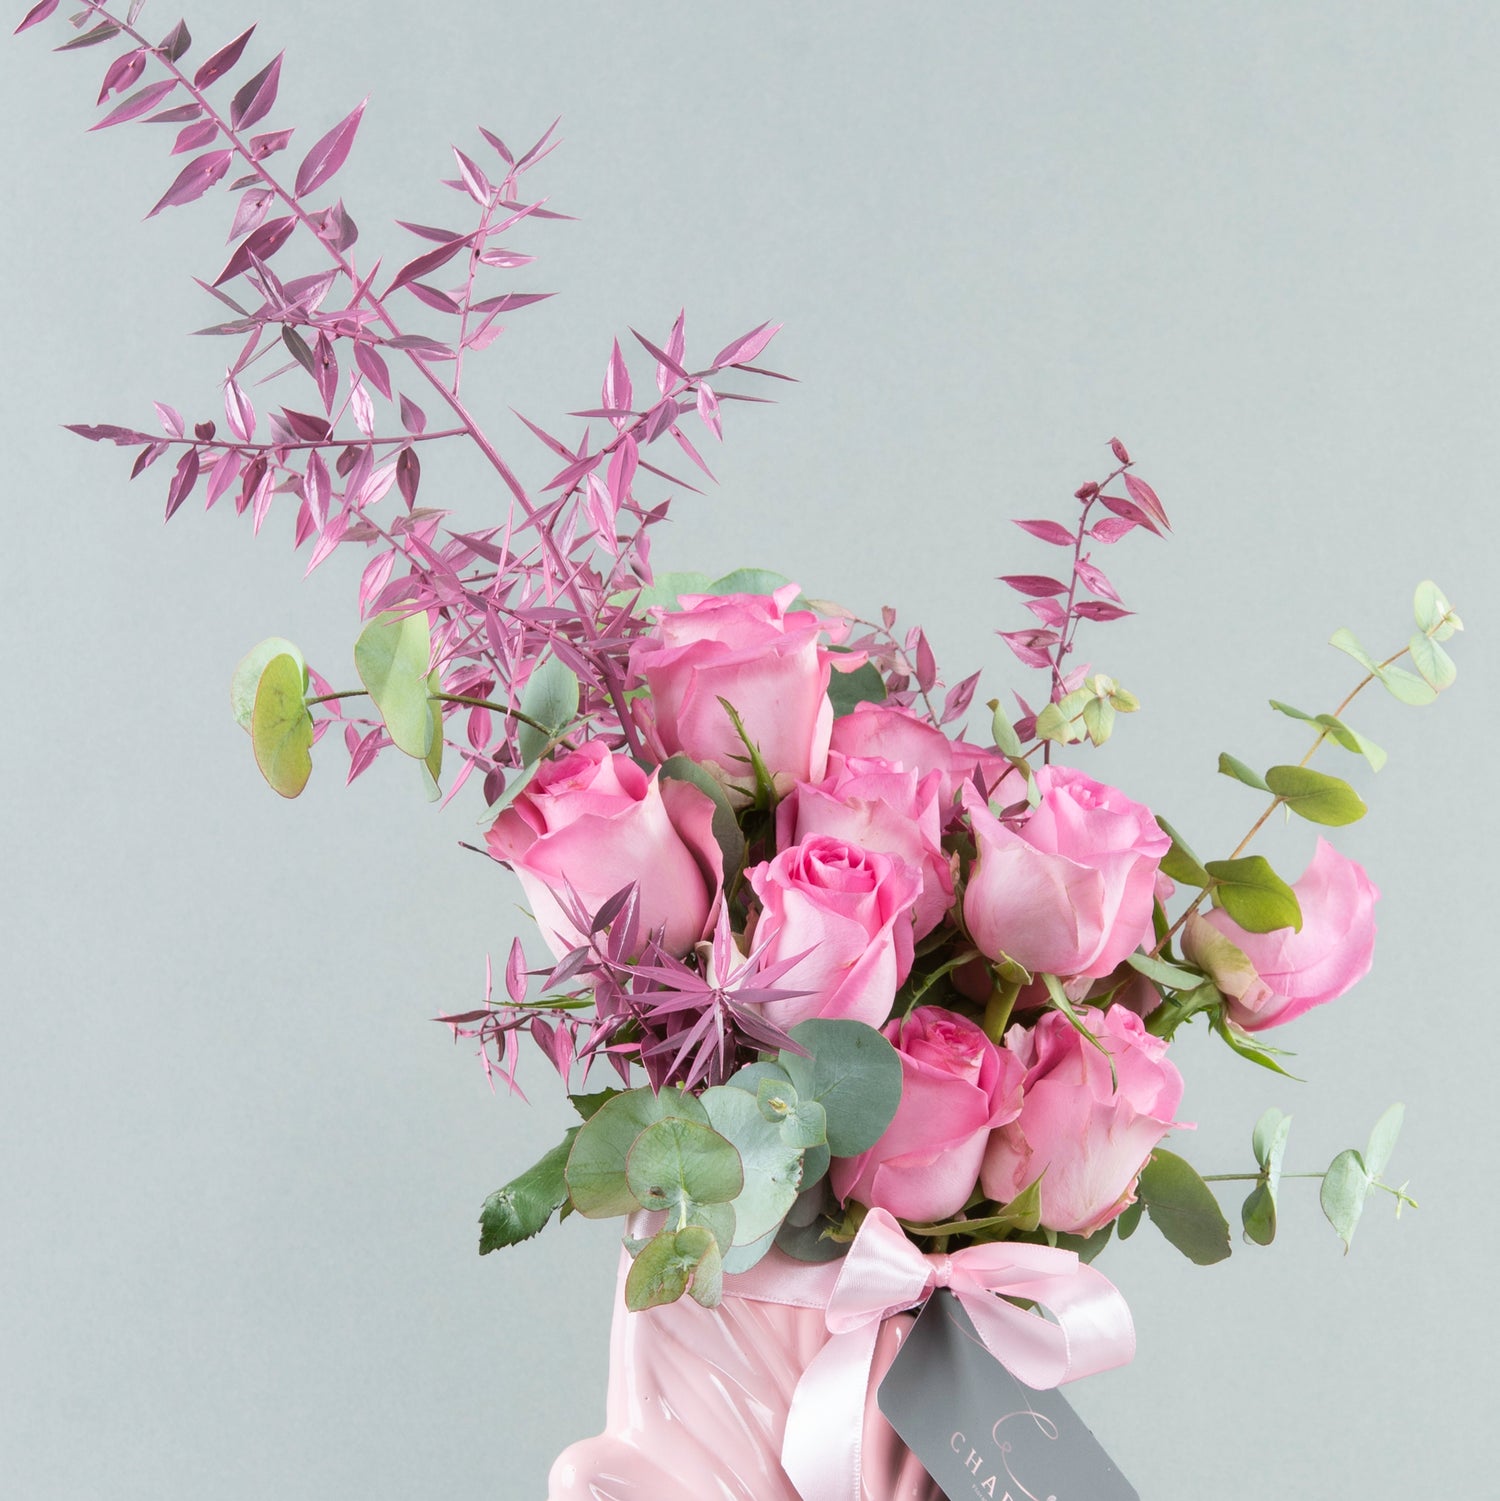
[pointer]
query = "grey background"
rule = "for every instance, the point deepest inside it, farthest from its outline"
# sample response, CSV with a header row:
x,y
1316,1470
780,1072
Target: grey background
x,y
242,1165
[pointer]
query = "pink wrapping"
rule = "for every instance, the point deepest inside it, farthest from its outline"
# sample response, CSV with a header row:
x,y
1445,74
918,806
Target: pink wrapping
x,y
698,1401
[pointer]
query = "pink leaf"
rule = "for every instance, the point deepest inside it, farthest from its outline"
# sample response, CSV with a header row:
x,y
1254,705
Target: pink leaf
x,y
435,298
183,480
363,410
171,419
1030,646
223,475
959,698
306,526
408,475
269,144
617,392
708,410
332,535
101,33
121,73
567,478
1111,529
682,441
746,347
1094,580
1034,583
1049,531
260,246
329,154
250,211
377,573
222,61
413,419
308,427
497,143
177,116
146,458
658,420
506,260
1048,610
1145,497
194,180
38,13
367,357
427,232
622,467
926,664
515,973
326,370
477,184
250,480
316,489
255,98
423,347
137,104
175,42
1094,609
1130,512
238,410
191,137
537,152
260,505
662,358
1118,449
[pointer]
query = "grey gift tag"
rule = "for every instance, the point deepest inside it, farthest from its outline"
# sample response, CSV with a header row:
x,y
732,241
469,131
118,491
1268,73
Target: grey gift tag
x,y
978,1431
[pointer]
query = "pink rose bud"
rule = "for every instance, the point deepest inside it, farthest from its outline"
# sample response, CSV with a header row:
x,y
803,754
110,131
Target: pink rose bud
x,y
1270,978
1069,891
847,912
869,802
956,1087
597,823
900,738
1086,1140
758,655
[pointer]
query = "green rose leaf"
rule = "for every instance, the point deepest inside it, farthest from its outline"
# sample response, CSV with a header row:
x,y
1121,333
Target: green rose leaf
x,y
1087,1247
1163,973
1254,895
550,698
848,690
596,1171
1183,1208
1129,1218
247,673
1315,796
1232,766
1181,864
674,1262
1345,1187
1251,1048
520,1209
1024,1212
588,1105
726,825
853,1073
281,729
772,1169
391,657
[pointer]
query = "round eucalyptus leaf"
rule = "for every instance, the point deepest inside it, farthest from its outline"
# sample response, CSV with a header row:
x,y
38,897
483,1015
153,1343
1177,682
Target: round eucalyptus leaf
x,y
281,729
676,1162
391,657
853,1073
773,1170
741,1258
671,1263
247,675
596,1165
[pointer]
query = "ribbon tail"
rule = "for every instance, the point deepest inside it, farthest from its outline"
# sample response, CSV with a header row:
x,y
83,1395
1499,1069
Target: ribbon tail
x,y
822,1448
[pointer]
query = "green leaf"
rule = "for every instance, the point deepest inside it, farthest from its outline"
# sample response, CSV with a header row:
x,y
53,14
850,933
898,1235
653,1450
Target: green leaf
x,y
1232,766
752,1074
520,1209
391,657
1129,1218
1269,1143
666,587
1164,973
1087,1247
1058,998
802,1123
1183,1208
1258,1216
726,825
1352,740
674,1163
753,581
848,690
1434,615
550,697
1292,713
1099,720
588,1105
1406,686
1345,641
1254,895
673,1262
853,1073
1007,742
1181,864
1024,1213
281,729
1383,1140
1315,796
247,673
432,763
1345,1186
596,1171
1435,665
1251,1049
772,1169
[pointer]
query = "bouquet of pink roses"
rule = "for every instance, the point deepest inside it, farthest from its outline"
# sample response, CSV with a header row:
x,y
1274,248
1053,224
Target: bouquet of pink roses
x,y
825,976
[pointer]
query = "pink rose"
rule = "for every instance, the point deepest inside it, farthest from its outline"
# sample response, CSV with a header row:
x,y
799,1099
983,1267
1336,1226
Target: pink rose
x,y
847,912
1270,978
1068,892
880,807
597,822
1086,1140
756,654
956,1087
896,735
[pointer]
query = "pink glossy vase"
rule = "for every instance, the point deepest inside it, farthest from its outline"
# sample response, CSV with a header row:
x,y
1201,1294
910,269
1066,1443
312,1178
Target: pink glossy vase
x,y
698,1399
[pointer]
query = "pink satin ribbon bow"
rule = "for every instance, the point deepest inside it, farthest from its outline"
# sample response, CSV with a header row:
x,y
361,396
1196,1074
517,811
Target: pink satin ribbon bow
x,y
885,1274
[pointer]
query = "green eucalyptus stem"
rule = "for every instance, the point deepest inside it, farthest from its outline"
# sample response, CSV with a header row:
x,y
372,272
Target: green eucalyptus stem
x,y
1395,1193
454,698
